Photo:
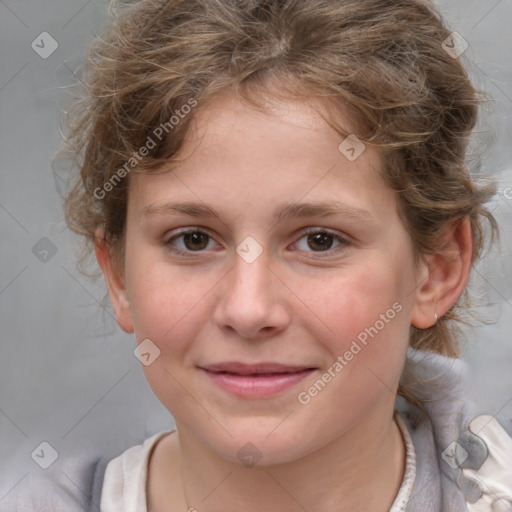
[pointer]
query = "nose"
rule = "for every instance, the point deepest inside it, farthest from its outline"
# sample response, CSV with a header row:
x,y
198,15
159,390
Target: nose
x,y
253,300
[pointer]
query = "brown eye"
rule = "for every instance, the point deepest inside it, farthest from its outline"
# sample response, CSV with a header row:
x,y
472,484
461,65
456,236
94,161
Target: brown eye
x,y
196,240
320,241
193,241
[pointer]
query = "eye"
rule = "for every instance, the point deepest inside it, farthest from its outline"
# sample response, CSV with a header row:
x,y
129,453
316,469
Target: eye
x,y
318,239
321,240
194,240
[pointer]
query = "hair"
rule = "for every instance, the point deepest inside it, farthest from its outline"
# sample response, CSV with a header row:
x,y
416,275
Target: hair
x,y
381,62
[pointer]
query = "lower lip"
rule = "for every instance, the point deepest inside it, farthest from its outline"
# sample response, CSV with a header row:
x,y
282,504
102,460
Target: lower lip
x,y
256,387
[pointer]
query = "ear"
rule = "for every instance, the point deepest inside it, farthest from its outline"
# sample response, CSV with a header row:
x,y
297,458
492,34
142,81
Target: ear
x,y
448,274
115,283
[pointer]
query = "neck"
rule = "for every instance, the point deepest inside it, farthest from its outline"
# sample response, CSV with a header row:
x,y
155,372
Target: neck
x,y
359,471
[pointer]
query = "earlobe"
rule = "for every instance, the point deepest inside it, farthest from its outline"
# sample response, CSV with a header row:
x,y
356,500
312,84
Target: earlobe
x,y
448,274
115,283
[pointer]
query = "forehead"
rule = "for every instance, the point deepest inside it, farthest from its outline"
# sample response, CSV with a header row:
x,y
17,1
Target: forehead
x,y
280,125
287,153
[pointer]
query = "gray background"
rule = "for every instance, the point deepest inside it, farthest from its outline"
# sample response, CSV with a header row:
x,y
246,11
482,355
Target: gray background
x,y
68,375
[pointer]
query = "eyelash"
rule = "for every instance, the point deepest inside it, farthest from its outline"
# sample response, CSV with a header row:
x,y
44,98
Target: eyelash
x,y
309,231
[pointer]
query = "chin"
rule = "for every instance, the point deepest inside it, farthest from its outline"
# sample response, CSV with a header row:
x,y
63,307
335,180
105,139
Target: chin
x,y
259,447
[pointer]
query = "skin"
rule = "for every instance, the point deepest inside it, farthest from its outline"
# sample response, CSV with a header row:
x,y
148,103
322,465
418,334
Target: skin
x,y
342,451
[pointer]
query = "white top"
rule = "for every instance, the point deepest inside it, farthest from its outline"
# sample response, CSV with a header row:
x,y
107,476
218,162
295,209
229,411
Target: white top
x,y
124,483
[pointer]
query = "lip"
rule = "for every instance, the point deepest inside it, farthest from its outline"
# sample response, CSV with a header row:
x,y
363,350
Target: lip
x,y
255,380
255,368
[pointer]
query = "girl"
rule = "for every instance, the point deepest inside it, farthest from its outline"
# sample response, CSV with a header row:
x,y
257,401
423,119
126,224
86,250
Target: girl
x,y
277,196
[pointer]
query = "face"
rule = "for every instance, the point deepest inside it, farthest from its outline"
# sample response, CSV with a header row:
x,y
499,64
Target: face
x,y
329,295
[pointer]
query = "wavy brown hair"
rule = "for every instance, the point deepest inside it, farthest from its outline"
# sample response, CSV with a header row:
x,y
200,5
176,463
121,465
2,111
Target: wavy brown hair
x,y
381,61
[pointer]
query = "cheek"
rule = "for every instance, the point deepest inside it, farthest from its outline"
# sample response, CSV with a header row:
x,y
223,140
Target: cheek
x,y
357,300
367,315
167,309
158,298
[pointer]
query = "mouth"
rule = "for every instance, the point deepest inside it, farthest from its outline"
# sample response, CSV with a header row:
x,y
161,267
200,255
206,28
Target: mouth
x,y
237,368
256,380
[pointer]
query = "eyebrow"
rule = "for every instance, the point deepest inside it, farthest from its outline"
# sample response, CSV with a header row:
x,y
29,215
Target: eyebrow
x,y
281,213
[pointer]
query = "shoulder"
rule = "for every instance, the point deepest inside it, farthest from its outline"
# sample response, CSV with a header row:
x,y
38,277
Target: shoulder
x,y
464,459
75,487
75,482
